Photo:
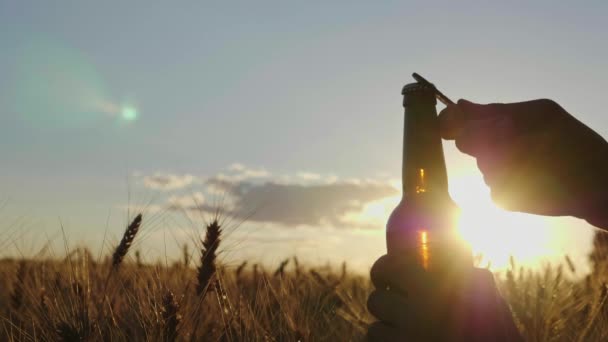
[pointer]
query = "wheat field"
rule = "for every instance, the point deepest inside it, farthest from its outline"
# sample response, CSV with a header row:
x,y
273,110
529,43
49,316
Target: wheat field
x,y
119,298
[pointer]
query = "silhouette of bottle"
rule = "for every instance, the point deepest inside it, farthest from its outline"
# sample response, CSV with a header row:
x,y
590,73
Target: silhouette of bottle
x,y
423,226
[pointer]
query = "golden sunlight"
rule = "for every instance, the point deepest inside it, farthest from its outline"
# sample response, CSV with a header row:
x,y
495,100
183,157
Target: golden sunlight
x,y
497,234
493,234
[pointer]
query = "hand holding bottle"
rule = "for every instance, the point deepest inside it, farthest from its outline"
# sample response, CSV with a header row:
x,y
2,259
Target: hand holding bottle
x,y
404,301
534,156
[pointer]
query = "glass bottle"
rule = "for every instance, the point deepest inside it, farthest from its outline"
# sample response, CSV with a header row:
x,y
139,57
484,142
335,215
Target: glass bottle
x,y
423,225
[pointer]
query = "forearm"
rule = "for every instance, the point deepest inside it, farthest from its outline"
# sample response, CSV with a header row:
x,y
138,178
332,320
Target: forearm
x,y
599,219
595,208
593,201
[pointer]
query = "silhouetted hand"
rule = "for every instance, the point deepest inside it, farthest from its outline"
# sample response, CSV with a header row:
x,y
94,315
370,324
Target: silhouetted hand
x,y
412,307
534,156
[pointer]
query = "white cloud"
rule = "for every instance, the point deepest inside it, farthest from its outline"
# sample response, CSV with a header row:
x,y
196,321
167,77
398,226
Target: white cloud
x,y
309,176
194,200
238,172
331,179
301,204
253,173
300,199
169,181
236,167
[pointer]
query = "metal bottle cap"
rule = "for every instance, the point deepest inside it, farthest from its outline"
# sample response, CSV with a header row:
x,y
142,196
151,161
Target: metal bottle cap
x,y
418,92
439,95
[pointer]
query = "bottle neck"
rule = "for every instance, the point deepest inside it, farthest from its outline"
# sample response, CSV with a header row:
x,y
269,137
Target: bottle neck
x,y
424,171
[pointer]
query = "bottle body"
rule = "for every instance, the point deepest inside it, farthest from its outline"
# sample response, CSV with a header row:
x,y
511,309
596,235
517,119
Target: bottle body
x,y
422,227
423,230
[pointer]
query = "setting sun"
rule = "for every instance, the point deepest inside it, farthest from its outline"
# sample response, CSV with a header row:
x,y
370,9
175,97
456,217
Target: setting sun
x,y
495,233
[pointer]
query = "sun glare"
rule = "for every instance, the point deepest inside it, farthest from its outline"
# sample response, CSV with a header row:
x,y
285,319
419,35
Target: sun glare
x,y
493,233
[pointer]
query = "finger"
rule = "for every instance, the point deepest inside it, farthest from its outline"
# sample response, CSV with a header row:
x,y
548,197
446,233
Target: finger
x,y
522,116
392,308
481,136
477,111
382,332
397,273
476,127
454,118
451,122
532,193
515,118
496,162
388,306
519,181
529,116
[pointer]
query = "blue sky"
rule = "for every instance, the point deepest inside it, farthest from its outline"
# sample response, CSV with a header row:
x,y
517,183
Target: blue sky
x,y
289,89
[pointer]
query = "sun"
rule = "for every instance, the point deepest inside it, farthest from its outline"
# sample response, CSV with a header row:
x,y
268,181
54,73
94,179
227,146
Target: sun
x,y
497,234
493,234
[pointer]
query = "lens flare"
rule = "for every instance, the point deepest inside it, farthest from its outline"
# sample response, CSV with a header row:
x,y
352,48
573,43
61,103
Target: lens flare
x,y
129,113
55,86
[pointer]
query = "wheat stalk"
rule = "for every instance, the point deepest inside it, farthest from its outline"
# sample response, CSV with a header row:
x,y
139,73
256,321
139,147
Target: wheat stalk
x,y
17,294
127,239
207,267
296,266
171,316
281,269
67,332
240,269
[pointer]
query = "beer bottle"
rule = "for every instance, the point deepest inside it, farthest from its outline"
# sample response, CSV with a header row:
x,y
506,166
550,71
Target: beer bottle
x,y
423,226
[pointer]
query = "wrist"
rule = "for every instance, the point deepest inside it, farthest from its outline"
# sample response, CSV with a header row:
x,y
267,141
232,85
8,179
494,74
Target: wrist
x,y
595,201
596,212
599,221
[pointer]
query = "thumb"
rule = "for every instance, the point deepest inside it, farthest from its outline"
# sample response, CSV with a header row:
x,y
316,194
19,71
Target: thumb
x,y
454,118
477,128
476,111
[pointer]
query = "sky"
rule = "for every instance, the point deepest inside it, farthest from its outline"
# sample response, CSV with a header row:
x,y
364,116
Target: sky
x,y
293,107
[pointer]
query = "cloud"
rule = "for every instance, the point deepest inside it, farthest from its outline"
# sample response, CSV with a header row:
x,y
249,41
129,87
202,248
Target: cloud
x,y
169,181
309,175
194,200
299,199
236,167
253,173
237,172
299,204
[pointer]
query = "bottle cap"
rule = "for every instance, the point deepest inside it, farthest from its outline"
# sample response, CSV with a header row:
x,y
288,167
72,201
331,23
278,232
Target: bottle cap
x,y
418,92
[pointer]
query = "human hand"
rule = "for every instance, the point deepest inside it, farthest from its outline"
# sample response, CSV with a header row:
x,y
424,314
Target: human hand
x,y
534,156
410,306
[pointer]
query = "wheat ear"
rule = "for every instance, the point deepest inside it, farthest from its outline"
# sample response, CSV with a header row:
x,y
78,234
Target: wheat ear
x,y
171,316
127,239
207,267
